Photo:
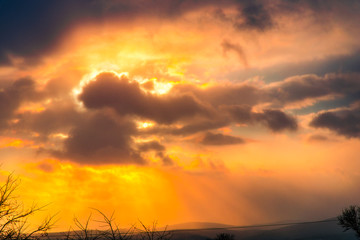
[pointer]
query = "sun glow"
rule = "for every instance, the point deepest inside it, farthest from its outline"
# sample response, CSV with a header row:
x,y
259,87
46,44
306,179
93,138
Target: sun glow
x,y
142,125
87,78
60,135
162,87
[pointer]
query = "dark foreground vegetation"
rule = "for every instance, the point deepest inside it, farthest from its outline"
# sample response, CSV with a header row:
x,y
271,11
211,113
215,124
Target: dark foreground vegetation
x,y
14,224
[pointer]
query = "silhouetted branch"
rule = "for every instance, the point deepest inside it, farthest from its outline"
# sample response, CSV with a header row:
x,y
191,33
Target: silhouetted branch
x,y
14,217
350,219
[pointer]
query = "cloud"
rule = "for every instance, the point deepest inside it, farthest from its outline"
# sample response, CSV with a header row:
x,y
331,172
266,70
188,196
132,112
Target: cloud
x,y
166,159
34,29
151,146
149,85
275,120
240,113
218,139
308,88
185,110
199,126
318,138
254,16
158,148
127,98
101,138
222,94
342,122
340,64
228,46
13,96
304,87
104,130
56,118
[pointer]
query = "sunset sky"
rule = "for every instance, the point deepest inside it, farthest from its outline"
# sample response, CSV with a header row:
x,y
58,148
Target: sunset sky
x,y
238,112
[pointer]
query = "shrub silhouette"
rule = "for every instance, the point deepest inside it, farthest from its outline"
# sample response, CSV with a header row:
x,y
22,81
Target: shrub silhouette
x,y
350,219
14,217
151,233
225,236
113,232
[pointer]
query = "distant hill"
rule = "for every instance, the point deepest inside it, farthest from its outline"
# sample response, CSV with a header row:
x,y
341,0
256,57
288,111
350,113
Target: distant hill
x,y
197,225
327,230
306,231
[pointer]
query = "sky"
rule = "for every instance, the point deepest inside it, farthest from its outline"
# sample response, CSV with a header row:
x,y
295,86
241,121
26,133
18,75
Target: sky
x,y
237,112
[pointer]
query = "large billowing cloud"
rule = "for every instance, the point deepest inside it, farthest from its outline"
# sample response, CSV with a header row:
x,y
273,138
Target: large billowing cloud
x,y
127,98
198,109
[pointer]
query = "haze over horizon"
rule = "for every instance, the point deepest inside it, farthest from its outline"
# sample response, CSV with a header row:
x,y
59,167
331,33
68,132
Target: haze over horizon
x,y
236,112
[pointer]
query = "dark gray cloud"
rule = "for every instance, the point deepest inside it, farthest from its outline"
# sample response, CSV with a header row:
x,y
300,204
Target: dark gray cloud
x,y
275,120
102,138
299,88
33,27
342,122
218,139
127,98
240,113
11,98
254,16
